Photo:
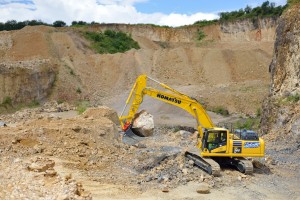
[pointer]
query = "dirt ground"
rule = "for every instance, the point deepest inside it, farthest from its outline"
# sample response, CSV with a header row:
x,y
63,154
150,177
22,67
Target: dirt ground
x,y
91,162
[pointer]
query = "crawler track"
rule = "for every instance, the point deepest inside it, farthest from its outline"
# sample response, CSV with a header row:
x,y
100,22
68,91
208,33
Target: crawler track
x,y
244,166
207,164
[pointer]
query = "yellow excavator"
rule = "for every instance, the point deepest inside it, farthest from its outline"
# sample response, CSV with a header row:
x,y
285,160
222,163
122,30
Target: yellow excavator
x,y
215,145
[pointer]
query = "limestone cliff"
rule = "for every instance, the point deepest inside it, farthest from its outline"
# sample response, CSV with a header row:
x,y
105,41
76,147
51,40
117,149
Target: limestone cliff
x,y
237,31
26,81
233,58
281,116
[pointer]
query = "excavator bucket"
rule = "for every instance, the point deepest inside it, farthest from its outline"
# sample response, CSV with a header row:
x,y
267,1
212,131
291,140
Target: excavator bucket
x,y
130,138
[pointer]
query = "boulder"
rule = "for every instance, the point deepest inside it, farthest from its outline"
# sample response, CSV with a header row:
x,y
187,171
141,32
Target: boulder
x,y
203,188
2,124
143,124
102,111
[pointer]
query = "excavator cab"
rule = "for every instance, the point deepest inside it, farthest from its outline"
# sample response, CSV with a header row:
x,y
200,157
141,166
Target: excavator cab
x,y
214,140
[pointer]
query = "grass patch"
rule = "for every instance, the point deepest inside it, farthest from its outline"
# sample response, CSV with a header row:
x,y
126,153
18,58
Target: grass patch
x,y
7,101
249,124
82,106
111,42
258,112
220,110
7,105
155,25
60,101
33,104
201,35
203,23
293,98
78,90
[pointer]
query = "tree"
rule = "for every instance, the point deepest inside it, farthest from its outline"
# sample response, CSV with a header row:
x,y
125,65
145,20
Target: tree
x,y
10,25
248,9
1,26
59,23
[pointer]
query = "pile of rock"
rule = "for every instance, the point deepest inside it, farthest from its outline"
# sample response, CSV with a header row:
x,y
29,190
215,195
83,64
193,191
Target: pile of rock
x,y
37,180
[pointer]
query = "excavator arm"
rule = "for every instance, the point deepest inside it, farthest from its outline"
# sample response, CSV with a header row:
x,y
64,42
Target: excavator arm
x,y
173,97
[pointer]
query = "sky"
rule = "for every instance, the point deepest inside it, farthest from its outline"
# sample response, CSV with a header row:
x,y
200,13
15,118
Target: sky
x,y
161,12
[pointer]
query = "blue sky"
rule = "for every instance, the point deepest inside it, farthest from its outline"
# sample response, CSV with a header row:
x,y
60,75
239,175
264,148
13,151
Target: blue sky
x,y
161,12
194,6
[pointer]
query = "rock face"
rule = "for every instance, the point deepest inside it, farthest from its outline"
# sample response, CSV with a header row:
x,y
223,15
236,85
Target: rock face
x,y
26,81
281,109
35,59
241,29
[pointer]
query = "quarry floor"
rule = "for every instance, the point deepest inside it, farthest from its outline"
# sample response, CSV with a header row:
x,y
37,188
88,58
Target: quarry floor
x,y
91,162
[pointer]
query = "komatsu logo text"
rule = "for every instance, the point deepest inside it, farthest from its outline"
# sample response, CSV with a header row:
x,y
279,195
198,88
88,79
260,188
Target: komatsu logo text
x,y
168,98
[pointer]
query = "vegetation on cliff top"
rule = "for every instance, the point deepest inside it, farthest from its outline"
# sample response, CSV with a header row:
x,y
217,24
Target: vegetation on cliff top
x,y
111,41
14,25
292,2
266,9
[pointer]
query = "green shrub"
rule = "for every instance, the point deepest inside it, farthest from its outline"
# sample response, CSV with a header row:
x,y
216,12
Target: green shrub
x,y
293,98
258,112
78,90
203,23
111,41
249,124
33,104
60,101
201,35
7,101
82,106
221,110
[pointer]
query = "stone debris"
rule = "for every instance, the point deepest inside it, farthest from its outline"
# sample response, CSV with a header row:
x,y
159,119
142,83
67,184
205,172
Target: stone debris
x,y
257,164
165,190
41,182
203,188
41,164
2,124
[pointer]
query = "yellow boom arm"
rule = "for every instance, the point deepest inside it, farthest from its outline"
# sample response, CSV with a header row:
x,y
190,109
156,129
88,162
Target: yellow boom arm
x,y
175,98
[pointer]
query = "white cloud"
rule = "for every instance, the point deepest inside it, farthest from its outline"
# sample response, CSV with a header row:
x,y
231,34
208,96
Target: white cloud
x,y
180,19
106,11
119,2
279,2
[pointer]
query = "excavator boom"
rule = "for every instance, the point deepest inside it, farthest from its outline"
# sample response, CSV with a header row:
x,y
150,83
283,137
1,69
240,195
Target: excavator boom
x,y
140,89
